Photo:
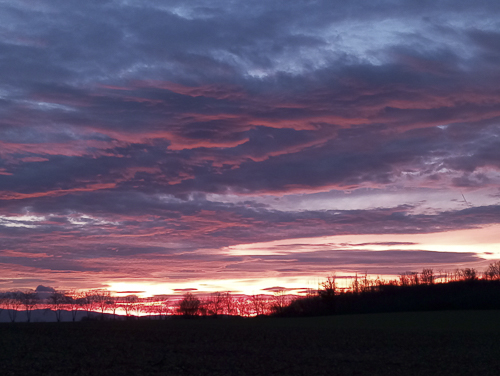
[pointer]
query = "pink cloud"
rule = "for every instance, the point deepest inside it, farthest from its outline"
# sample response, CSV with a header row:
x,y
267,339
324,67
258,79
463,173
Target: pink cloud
x,y
218,91
6,195
33,159
75,148
11,253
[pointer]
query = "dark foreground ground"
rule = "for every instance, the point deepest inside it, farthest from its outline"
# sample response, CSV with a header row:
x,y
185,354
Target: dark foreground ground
x,y
423,343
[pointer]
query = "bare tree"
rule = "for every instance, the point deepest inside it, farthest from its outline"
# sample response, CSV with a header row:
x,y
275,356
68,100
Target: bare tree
x,y
158,306
162,308
57,301
493,271
147,306
73,302
444,276
101,300
328,291
165,308
228,303
138,307
112,306
328,288
404,279
129,305
259,304
29,300
215,304
12,303
243,307
87,302
280,301
366,284
203,308
427,276
467,274
355,286
189,305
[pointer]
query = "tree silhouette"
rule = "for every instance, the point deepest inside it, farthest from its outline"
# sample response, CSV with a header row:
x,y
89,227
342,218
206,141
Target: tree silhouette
x,y
12,303
112,306
328,288
327,292
280,301
244,307
101,300
493,271
88,302
161,307
73,302
427,276
29,300
259,304
468,274
215,304
189,305
229,303
128,304
57,301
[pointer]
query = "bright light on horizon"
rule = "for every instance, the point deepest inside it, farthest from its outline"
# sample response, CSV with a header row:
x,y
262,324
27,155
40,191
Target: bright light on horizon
x,y
482,241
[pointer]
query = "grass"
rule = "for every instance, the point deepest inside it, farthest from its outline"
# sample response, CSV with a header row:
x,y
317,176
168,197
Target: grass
x,y
422,343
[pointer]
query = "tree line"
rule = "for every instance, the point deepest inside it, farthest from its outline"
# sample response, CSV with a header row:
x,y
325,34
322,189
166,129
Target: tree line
x,y
101,304
464,288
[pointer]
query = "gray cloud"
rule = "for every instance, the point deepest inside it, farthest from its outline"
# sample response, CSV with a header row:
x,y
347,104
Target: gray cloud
x,y
142,121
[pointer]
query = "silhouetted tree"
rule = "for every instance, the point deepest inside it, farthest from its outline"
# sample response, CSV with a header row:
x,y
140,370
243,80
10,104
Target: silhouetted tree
x,y
327,292
414,279
161,307
259,304
203,308
148,307
243,306
189,305
328,288
57,301
355,286
366,284
138,307
467,274
74,302
409,279
215,304
112,306
444,276
29,300
404,279
101,300
493,271
427,276
280,301
12,303
128,304
87,303
228,303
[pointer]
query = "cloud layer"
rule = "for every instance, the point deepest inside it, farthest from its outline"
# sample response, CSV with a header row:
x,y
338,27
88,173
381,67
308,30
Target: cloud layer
x,y
163,133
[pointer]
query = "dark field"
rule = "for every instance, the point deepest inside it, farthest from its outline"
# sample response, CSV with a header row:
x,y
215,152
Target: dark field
x,y
423,343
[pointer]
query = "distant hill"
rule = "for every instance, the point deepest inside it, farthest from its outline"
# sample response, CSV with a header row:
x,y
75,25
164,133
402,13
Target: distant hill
x,y
46,315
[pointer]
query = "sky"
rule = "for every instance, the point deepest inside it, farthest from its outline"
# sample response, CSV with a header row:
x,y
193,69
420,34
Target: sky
x,y
162,146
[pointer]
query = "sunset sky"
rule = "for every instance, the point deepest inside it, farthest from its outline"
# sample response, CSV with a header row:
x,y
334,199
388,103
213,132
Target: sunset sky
x,y
218,145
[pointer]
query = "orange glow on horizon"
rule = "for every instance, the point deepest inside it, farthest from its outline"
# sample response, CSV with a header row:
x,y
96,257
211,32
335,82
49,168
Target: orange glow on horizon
x,y
482,241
